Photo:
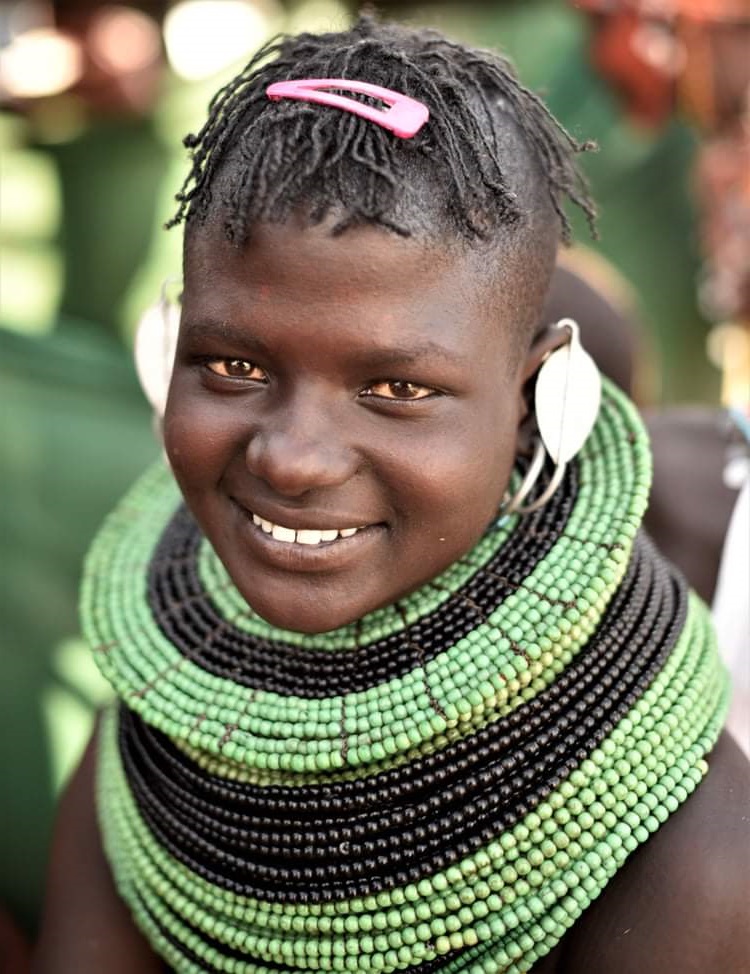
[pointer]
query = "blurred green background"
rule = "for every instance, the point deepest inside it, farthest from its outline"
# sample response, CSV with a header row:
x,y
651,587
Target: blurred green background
x,y
87,183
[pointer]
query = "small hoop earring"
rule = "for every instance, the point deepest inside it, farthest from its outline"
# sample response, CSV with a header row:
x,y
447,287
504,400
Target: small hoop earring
x,y
567,397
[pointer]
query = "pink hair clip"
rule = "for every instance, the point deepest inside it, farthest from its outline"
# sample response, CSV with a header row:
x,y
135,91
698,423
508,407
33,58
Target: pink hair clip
x,y
404,117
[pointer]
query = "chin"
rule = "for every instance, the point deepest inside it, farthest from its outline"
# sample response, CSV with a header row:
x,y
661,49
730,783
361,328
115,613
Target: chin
x,y
310,623
309,615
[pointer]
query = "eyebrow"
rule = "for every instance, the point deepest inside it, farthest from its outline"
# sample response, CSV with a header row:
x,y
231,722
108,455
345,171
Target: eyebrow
x,y
224,331
378,357
410,354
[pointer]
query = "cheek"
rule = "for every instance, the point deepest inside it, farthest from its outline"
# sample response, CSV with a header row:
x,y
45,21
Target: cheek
x,y
199,438
488,462
457,481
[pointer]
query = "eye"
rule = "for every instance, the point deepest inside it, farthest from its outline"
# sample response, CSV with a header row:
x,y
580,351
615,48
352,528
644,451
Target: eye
x,y
236,368
399,391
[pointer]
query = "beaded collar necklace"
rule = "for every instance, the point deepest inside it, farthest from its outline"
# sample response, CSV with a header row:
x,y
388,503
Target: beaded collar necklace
x,y
443,786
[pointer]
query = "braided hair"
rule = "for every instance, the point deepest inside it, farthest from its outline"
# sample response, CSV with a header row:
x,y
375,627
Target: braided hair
x,y
459,176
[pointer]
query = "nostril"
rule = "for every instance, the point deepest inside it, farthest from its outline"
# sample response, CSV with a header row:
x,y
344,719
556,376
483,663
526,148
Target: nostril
x,y
293,465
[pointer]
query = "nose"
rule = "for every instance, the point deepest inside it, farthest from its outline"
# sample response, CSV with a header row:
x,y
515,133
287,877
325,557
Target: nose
x,y
298,450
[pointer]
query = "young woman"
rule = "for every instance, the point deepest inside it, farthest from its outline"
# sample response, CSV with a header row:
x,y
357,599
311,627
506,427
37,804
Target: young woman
x,y
396,690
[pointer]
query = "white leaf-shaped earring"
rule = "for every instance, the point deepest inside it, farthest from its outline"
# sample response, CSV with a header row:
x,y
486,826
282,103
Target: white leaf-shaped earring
x,y
566,403
154,347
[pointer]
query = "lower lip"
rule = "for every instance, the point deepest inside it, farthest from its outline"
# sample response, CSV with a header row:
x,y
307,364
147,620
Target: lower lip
x,y
292,556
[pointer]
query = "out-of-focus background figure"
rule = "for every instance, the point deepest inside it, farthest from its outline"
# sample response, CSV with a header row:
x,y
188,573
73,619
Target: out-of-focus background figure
x,y
95,99
692,58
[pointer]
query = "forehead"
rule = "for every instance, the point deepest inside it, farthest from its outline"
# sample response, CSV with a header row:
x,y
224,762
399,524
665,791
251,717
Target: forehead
x,y
297,253
364,273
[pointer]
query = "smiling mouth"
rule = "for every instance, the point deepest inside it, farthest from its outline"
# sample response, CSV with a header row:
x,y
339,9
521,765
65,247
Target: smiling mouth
x,y
305,536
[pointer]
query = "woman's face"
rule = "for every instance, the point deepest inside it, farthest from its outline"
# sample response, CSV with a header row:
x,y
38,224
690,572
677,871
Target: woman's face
x,y
343,414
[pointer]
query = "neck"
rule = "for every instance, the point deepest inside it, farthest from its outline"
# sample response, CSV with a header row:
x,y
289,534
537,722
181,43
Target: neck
x,y
490,749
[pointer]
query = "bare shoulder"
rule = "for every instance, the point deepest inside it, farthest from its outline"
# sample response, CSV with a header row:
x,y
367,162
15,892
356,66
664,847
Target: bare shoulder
x,y
86,929
680,903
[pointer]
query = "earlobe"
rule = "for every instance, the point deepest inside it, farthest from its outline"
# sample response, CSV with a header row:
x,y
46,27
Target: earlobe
x,y
544,344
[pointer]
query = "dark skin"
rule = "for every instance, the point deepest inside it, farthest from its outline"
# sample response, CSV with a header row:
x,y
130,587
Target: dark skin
x,y
290,427
360,381
86,927
690,505
15,953
678,904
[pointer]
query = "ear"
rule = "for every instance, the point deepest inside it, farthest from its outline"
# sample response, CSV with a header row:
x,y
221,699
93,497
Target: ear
x,y
545,342
567,389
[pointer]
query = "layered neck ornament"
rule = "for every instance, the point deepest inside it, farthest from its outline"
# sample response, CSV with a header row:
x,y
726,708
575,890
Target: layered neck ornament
x,y
442,787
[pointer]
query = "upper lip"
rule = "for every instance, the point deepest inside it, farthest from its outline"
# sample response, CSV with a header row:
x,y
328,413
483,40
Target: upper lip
x,y
309,522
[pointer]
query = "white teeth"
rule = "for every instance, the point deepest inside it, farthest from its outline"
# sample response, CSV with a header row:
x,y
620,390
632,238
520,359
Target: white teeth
x,y
309,536
313,537
283,534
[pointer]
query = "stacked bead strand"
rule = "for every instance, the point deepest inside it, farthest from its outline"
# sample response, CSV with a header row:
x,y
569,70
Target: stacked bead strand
x,y
526,640
547,867
444,786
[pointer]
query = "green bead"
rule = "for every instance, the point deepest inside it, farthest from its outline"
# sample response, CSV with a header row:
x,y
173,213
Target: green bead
x,y
526,886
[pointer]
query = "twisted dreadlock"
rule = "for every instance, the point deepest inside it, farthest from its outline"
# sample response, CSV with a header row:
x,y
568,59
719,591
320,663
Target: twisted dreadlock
x,y
260,159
